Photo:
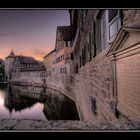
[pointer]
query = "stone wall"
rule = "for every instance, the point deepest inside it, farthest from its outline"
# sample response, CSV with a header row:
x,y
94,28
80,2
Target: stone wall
x,y
62,82
94,81
93,86
131,18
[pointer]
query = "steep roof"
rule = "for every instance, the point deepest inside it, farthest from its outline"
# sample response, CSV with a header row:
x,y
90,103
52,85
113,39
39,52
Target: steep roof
x,y
11,55
49,53
63,33
39,66
26,60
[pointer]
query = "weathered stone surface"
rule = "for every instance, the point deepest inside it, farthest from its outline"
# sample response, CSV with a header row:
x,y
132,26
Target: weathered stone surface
x,y
7,124
131,17
24,124
41,125
12,124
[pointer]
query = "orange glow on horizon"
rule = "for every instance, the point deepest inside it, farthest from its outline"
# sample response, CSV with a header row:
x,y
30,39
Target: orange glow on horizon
x,y
33,52
30,32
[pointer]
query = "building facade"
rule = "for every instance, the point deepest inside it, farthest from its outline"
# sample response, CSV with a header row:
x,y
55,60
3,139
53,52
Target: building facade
x,y
50,62
1,70
24,69
9,65
106,57
63,49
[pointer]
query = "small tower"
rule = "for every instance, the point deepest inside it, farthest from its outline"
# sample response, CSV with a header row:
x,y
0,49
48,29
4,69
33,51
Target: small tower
x,y
8,65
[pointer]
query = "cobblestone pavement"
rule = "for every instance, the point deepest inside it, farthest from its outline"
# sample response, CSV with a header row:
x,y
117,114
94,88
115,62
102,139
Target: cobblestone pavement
x,y
17,124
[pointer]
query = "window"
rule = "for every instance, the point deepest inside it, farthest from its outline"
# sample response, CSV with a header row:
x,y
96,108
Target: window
x,y
53,69
43,74
80,59
94,106
84,55
66,43
64,70
109,23
114,23
76,68
69,44
61,70
72,58
89,47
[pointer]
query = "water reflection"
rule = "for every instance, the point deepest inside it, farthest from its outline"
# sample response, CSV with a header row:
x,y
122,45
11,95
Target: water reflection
x,y
35,103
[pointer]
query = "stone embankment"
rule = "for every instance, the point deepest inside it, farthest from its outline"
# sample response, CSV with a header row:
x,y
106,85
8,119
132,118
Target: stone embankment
x,y
26,125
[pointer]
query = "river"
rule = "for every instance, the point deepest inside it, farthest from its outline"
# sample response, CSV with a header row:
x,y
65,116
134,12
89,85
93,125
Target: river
x,y
27,102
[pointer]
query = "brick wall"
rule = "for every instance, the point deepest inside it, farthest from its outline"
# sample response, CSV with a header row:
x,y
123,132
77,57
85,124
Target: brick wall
x,y
128,86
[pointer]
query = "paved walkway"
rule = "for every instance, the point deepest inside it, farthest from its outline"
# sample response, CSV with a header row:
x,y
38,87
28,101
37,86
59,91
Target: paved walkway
x,y
14,124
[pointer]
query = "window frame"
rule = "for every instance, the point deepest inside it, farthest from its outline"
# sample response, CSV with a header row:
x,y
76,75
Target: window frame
x,y
116,18
99,35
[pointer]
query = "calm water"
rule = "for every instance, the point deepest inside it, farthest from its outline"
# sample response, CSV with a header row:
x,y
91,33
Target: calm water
x,y
23,102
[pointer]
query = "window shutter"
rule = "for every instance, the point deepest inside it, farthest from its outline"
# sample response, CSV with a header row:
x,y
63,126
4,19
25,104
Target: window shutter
x,y
112,14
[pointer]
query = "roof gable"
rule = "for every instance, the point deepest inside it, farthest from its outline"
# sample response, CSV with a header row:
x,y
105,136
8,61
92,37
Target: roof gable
x,y
30,62
49,53
63,33
126,38
11,55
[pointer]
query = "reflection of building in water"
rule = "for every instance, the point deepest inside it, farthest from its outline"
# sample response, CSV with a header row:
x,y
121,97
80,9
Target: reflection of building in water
x,y
60,108
14,100
56,105
24,69
8,100
56,111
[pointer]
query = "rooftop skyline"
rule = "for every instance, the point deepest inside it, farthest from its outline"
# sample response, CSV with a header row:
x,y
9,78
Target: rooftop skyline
x,y
30,32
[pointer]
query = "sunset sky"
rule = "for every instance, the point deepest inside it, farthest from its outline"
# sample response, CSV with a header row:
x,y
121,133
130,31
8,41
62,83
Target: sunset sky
x,y
30,32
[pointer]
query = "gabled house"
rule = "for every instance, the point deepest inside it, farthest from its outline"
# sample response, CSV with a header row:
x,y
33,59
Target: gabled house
x,y
63,49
